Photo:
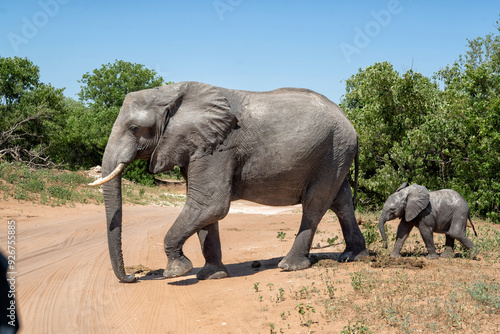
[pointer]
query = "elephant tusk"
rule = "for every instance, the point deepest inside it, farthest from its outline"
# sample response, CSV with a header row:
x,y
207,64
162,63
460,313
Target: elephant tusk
x,y
110,177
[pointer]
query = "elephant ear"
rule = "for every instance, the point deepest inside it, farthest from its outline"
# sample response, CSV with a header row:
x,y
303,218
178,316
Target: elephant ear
x,y
198,120
404,185
417,201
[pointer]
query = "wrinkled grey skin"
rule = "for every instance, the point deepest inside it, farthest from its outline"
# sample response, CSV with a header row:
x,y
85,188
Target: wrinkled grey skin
x,y
282,147
442,211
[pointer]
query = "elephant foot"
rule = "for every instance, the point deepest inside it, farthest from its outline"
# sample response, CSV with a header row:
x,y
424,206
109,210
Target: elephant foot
x,y
432,256
472,253
177,267
348,256
297,263
212,271
393,254
447,253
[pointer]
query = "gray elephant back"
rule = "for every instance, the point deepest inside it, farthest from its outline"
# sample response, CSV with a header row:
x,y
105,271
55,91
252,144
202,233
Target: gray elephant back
x,y
449,198
288,134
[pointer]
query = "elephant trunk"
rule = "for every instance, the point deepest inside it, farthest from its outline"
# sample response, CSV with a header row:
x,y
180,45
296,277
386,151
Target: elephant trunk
x,y
112,192
381,227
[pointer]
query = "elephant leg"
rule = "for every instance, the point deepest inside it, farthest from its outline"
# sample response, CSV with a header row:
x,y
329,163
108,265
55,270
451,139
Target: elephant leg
x,y
468,244
192,219
314,208
402,234
449,246
428,237
298,256
354,240
208,201
211,248
458,232
465,241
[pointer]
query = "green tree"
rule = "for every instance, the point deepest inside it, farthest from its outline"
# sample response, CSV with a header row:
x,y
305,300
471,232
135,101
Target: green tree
x,y
107,86
472,92
384,107
102,93
28,111
17,76
411,130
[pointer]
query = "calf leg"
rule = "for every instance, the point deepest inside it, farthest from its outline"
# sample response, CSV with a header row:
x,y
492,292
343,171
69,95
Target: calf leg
x,y
428,237
449,246
402,234
462,237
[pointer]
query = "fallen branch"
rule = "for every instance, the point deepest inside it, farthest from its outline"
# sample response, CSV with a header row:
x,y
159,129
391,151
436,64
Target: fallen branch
x,y
9,139
318,246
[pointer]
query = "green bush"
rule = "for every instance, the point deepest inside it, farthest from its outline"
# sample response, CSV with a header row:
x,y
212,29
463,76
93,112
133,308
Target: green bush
x,y
138,172
60,192
440,133
369,232
71,178
486,293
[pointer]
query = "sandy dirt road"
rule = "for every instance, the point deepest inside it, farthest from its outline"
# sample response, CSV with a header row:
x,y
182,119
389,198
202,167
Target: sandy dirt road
x,y
65,283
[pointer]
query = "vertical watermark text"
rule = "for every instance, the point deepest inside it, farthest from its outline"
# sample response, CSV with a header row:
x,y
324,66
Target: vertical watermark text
x,y
12,317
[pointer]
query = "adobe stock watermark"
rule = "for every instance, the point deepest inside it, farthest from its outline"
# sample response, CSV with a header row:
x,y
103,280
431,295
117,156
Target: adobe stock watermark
x,y
31,26
363,36
11,274
223,6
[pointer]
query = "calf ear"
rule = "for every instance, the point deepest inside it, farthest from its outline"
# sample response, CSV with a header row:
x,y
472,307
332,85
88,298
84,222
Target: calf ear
x,y
417,201
404,185
200,120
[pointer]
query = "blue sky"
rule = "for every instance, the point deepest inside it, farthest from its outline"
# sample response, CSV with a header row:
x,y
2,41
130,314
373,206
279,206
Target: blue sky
x,y
242,44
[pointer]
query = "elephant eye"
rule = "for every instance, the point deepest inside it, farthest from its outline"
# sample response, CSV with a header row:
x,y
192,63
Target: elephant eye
x,y
133,128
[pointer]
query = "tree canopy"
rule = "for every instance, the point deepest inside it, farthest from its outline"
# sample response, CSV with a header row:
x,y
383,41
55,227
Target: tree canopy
x,y
412,130
440,132
107,86
27,110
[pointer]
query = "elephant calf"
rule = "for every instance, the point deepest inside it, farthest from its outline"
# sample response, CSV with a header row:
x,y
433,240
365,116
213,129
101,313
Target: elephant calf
x,y
442,211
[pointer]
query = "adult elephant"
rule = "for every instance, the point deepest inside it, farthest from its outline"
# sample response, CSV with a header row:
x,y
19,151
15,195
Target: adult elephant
x,y
282,147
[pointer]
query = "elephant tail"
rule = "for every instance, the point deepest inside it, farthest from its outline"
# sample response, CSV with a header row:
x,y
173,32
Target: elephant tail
x,y
356,174
473,228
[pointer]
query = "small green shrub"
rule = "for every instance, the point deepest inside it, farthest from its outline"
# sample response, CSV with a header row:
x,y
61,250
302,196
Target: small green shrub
x,y
60,192
358,328
4,169
369,232
21,195
357,279
71,178
331,241
305,311
34,185
486,293
12,178
281,235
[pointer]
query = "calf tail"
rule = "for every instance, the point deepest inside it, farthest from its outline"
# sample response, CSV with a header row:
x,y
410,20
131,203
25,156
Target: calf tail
x,y
473,228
